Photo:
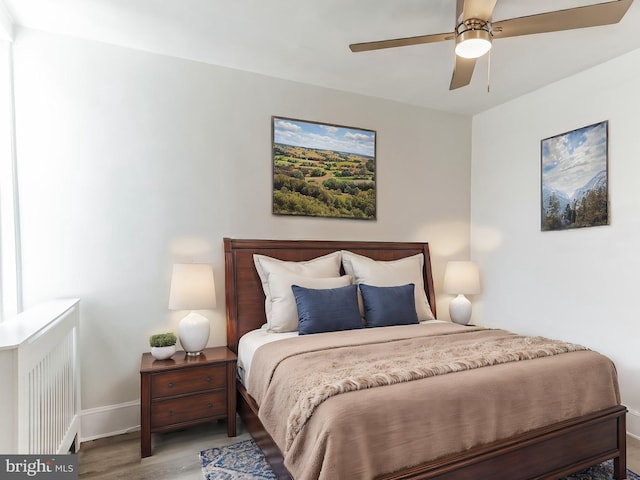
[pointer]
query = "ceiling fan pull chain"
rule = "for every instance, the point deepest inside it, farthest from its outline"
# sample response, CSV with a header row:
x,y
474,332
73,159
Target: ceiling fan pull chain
x,y
489,72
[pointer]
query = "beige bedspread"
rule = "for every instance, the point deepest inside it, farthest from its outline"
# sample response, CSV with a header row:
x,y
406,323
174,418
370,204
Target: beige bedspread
x,y
395,397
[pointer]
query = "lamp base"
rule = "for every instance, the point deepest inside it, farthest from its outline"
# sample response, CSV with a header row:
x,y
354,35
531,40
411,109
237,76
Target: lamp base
x,y
460,310
193,331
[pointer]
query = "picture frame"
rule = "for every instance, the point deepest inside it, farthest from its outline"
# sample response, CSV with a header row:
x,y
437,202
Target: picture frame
x,y
323,170
575,178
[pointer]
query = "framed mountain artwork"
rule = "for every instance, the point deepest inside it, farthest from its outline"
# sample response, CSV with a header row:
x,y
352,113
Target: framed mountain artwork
x,y
575,190
323,170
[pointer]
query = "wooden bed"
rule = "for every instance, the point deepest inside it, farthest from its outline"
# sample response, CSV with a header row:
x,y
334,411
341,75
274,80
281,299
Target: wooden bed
x,y
582,442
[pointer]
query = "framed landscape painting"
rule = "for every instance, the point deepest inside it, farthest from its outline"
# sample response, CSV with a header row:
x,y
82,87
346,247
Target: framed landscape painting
x,y
323,170
575,178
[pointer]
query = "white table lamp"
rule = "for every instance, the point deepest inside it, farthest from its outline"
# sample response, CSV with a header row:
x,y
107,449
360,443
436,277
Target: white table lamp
x,y
192,288
461,278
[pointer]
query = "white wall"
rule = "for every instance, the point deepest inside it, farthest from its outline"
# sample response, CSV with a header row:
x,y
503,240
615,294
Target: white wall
x,y
579,285
129,161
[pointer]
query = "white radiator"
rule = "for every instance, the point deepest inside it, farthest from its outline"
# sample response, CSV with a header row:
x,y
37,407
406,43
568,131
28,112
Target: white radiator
x,y
41,347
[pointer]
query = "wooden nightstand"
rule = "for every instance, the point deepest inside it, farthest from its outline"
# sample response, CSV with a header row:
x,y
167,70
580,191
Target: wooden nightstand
x,y
184,391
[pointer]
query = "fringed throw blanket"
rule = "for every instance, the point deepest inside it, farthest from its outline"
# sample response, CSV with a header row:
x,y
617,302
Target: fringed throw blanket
x,y
317,402
414,361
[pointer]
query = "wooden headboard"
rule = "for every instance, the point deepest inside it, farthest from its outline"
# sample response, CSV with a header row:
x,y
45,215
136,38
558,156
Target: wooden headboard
x,y
243,290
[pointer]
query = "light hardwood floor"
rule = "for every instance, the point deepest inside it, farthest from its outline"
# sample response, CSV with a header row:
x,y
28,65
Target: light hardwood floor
x,y
175,454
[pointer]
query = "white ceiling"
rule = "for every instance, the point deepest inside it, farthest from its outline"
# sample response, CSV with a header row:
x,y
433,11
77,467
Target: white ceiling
x,y
307,41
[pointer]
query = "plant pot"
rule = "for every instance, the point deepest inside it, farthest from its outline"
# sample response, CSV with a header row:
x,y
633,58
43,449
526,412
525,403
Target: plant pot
x,y
162,353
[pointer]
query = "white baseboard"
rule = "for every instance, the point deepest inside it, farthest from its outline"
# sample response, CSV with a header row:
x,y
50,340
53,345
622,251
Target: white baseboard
x,y
633,423
110,420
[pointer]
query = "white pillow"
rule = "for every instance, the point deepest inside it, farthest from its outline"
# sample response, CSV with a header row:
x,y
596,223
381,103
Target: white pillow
x,y
389,274
320,267
284,311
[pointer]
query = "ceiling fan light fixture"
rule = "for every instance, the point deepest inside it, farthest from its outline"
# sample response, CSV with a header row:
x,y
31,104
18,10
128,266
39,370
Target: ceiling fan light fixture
x,y
473,38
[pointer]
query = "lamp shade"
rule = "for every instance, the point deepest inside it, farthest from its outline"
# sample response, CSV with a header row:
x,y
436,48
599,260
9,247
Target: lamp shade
x,y
192,287
462,277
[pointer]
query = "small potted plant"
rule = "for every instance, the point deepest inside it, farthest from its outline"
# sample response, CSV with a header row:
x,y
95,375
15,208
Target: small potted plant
x,y
163,345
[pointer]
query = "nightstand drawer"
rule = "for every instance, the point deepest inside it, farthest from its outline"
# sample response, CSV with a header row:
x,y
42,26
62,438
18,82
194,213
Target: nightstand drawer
x,y
185,409
188,381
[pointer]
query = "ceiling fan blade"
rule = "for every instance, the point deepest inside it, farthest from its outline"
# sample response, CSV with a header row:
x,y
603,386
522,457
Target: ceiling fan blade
x,y
580,17
401,42
459,10
462,72
482,9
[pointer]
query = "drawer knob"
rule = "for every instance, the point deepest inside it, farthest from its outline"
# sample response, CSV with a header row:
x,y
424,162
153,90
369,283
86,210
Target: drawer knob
x,y
208,378
170,385
209,405
171,413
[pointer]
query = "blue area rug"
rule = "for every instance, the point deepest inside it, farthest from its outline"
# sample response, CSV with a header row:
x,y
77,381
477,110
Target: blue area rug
x,y
245,461
604,471
240,461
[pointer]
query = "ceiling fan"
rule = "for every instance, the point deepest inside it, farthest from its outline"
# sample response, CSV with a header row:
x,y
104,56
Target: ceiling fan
x,y
475,30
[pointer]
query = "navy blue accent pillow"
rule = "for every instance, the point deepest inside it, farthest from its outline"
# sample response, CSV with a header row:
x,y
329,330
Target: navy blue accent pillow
x,y
385,306
327,310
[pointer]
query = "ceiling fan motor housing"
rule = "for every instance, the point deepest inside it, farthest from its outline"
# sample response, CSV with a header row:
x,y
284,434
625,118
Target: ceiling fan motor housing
x,y
473,38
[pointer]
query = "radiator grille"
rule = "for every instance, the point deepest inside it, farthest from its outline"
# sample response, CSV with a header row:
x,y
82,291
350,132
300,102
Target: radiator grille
x,y
49,401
